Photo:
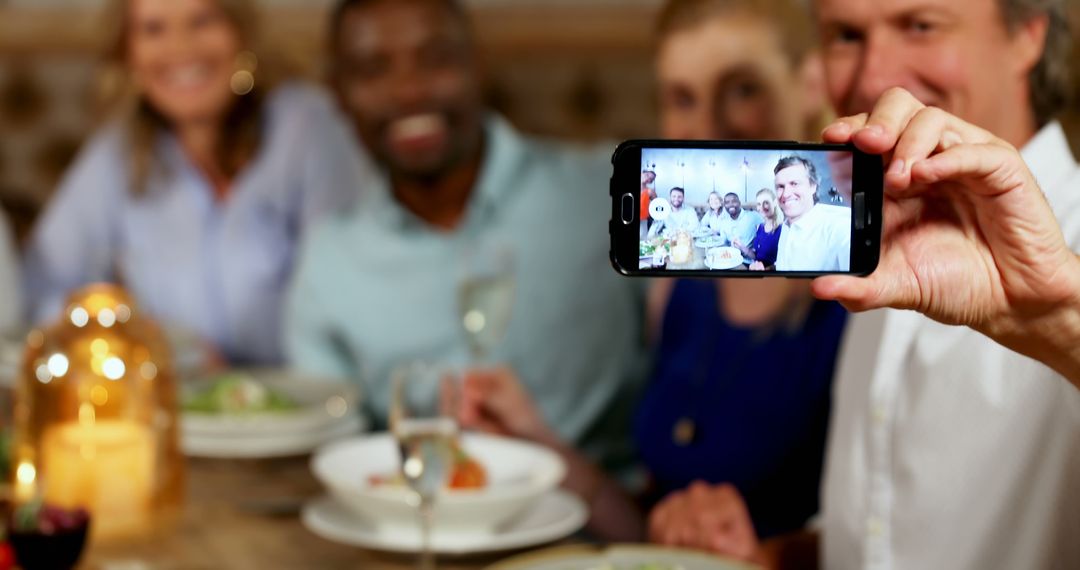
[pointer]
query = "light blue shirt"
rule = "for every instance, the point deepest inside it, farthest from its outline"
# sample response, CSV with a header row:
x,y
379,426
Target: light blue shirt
x,y
217,268
378,288
10,297
744,228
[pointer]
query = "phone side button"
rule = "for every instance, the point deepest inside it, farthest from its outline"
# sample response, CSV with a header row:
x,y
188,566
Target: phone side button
x,y
858,207
627,213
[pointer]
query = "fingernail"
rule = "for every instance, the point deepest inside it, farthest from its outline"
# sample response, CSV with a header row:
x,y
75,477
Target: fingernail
x,y
897,166
877,130
838,127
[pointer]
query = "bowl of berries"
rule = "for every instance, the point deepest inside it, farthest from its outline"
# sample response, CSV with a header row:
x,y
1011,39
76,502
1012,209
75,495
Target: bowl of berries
x,y
45,537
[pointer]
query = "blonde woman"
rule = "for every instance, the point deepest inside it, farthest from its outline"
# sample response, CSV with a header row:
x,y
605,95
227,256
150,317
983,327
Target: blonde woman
x,y
738,401
714,216
767,241
195,193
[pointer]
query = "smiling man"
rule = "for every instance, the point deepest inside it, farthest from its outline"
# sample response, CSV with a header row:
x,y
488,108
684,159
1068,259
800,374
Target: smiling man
x,y
946,449
380,286
816,237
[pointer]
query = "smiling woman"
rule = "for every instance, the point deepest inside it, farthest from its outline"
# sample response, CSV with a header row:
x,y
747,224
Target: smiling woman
x,y
196,192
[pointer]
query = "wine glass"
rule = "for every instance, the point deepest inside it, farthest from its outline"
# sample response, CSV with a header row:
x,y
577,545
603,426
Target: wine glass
x,y
486,296
422,418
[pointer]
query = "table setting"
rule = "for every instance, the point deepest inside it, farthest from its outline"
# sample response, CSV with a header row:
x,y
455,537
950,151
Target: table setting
x,y
120,462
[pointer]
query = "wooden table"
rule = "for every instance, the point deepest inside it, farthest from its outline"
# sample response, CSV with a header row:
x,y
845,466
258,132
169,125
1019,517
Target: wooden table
x,y
226,525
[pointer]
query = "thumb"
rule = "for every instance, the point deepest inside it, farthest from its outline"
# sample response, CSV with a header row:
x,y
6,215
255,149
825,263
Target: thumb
x,y
884,288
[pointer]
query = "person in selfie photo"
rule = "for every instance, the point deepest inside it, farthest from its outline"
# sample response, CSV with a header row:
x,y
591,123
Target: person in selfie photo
x,y
763,249
380,285
720,412
816,237
713,219
648,194
936,426
196,192
739,226
679,218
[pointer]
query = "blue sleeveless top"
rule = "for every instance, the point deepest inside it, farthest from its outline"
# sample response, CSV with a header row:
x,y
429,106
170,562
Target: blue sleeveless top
x,y
758,402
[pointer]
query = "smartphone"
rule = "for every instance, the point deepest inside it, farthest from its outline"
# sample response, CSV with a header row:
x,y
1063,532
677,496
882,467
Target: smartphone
x,y
744,209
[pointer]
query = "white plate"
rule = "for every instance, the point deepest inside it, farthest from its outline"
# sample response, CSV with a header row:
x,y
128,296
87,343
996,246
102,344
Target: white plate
x,y
710,242
518,474
263,447
735,260
323,402
555,516
618,557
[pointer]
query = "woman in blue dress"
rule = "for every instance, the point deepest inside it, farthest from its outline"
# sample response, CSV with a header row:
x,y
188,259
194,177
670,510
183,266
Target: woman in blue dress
x,y
767,239
196,192
737,407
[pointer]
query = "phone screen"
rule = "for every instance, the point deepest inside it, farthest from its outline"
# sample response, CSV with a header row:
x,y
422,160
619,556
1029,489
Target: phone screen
x,y
786,210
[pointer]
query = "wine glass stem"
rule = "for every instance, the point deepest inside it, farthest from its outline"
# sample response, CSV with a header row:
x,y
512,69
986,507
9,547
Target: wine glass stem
x,y
427,555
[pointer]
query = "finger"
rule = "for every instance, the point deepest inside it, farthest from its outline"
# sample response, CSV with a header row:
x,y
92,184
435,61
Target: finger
x,y
840,130
997,168
884,288
891,115
932,130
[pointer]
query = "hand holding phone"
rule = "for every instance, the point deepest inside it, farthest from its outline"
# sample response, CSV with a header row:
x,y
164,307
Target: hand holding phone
x,y
747,209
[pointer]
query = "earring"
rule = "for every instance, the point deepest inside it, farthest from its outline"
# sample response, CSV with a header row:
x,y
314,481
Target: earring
x,y
243,79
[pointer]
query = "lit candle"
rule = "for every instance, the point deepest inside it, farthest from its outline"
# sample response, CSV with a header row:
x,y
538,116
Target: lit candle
x,y
104,466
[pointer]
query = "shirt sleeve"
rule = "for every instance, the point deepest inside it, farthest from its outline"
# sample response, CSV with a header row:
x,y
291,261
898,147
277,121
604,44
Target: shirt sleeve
x,y
10,294
70,245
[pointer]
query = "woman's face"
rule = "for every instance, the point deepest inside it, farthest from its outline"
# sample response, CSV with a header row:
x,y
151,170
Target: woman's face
x,y
728,79
765,205
182,54
714,202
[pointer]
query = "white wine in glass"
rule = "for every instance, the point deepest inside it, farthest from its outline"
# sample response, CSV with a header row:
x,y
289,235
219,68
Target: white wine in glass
x,y
422,421
486,298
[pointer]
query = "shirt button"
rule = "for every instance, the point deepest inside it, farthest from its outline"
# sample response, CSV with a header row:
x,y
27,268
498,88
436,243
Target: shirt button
x,y
875,527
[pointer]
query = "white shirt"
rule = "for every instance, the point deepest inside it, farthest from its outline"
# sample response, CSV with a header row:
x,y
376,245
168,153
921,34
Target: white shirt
x,y
10,298
820,240
685,218
947,450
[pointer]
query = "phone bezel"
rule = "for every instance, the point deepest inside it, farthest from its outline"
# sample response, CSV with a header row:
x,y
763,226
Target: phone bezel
x,y
867,177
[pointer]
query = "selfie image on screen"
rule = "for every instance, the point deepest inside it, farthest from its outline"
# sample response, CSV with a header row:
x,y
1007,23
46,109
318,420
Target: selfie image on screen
x,y
745,210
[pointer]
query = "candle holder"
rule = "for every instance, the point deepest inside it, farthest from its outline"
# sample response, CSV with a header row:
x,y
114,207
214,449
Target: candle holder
x,y
96,424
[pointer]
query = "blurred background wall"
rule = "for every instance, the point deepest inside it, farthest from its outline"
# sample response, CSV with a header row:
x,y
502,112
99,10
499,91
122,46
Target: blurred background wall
x,y
578,69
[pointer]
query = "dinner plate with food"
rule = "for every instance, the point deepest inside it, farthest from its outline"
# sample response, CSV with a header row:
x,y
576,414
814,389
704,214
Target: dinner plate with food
x,y
723,258
265,413
710,242
492,488
619,557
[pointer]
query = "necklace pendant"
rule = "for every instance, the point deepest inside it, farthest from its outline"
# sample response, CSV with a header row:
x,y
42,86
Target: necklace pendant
x,y
684,432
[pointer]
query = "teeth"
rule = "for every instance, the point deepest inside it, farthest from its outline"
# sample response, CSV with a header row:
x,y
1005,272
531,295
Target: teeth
x,y
189,75
418,126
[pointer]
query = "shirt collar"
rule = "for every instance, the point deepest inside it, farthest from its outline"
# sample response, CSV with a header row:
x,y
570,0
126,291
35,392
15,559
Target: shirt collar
x,y
504,151
1050,159
805,219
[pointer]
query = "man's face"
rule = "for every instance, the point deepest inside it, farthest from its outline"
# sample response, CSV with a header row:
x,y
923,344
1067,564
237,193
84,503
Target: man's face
x,y
405,73
676,200
953,54
794,191
733,205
